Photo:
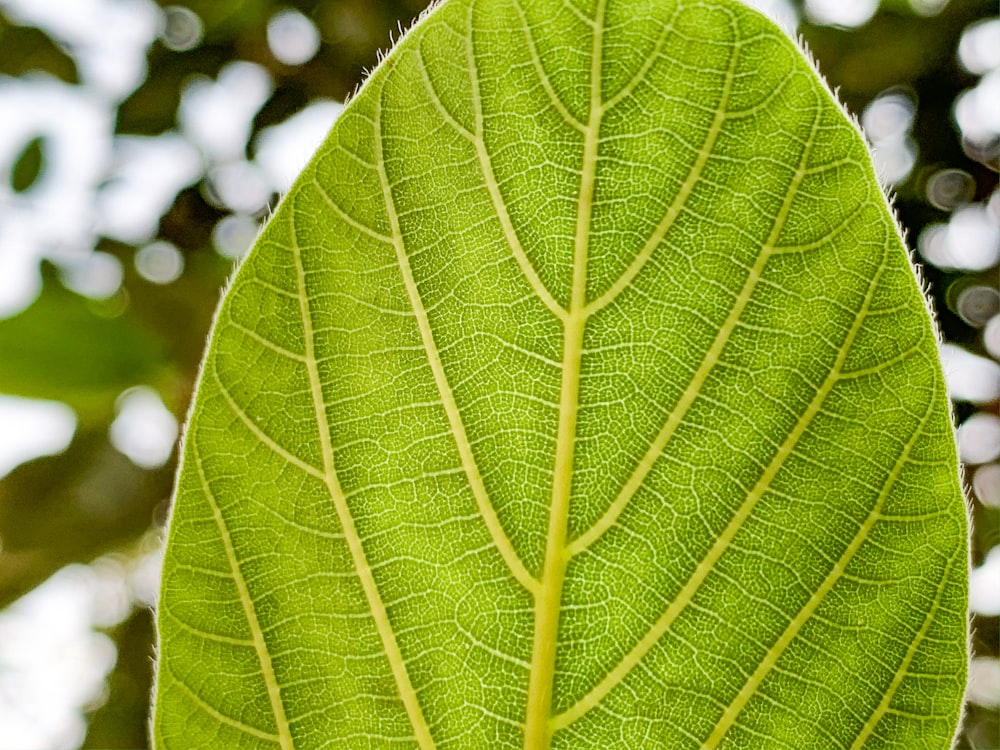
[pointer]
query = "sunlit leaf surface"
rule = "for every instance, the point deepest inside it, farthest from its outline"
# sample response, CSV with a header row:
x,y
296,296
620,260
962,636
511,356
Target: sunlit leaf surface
x,y
579,395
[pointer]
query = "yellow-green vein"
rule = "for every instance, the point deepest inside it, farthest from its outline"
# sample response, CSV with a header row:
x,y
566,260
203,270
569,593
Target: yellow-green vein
x,y
265,342
383,625
478,143
651,59
346,217
205,635
897,679
690,394
483,502
543,77
220,717
722,541
258,433
771,658
679,201
538,719
496,198
284,735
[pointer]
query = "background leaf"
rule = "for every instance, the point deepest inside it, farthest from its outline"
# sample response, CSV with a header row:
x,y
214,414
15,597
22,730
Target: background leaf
x,y
28,165
580,393
27,49
62,346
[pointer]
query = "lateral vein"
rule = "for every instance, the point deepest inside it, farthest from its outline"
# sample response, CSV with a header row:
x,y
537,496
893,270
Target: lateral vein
x,y
729,716
284,735
483,502
265,342
723,540
708,362
679,201
897,680
262,436
346,217
499,205
644,69
205,635
543,77
379,614
438,103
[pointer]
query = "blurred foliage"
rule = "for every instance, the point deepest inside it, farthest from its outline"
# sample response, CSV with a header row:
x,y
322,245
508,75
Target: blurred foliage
x,y
92,500
28,166
120,723
66,347
73,507
28,50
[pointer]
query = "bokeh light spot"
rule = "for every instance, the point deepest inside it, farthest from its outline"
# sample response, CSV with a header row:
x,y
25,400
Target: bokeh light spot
x,y
984,594
894,159
977,304
108,39
928,7
979,438
889,115
979,48
984,682
159,262
974,238
218,115
846,13
147,175
52,662
977,110
233,235
96,275
950,188
144,430
32,428
111,602
283,150
970,377
986,485
970,241
182,28
292,37
887,121
238,186
991,336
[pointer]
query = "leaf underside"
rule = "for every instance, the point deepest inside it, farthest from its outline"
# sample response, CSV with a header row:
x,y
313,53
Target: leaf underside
x,y
580,394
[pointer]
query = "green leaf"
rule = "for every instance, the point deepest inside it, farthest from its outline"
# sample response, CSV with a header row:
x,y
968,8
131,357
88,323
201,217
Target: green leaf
x,y
579,395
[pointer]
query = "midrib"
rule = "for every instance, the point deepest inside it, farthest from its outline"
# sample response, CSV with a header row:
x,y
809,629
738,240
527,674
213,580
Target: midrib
x,y
538,720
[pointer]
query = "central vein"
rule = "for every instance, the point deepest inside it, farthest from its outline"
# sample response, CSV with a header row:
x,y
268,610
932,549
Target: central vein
x,y
538,722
